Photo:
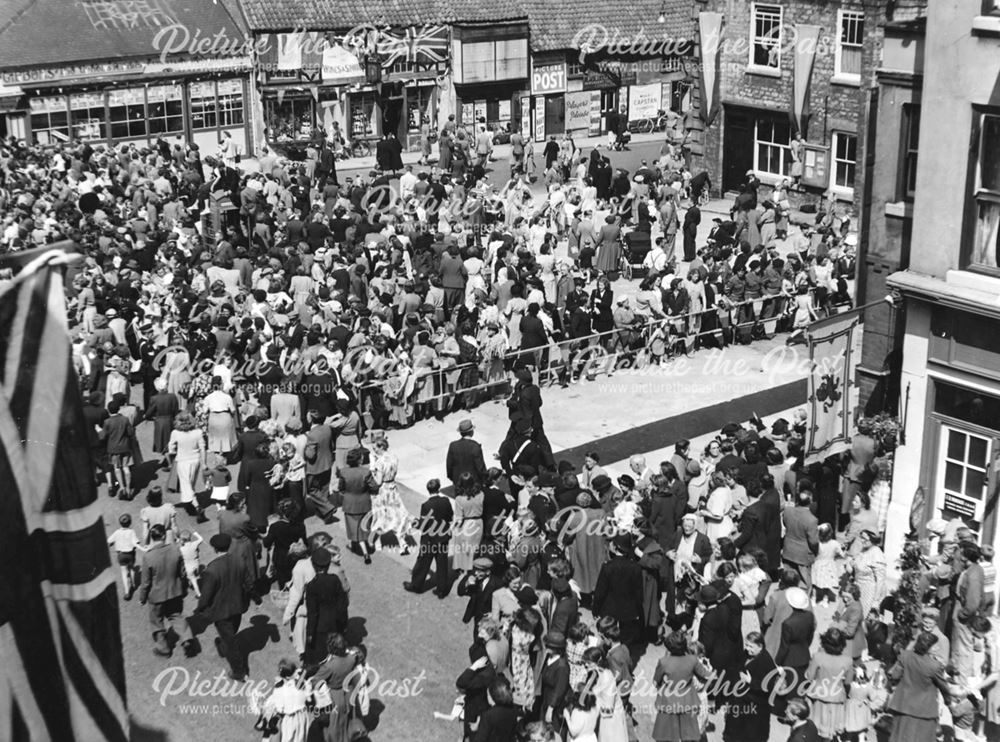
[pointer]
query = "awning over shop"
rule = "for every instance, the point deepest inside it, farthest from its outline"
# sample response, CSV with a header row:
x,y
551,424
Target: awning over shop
x,y
11,98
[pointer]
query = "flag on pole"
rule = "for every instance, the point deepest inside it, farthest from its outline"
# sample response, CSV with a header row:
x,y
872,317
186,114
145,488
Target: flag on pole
x,y
833,356
60,642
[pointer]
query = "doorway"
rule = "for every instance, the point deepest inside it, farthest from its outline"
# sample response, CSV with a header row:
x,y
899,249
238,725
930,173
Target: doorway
x,y
555,114
609,105
737,147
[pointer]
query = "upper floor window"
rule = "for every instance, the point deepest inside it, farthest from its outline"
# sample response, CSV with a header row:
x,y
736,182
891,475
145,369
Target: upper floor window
x,y
765,36
986,241
845,160
911,138
486,61
850,39
773,155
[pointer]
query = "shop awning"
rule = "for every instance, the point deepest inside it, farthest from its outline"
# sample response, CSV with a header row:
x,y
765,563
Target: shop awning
x,y
11,98
340,67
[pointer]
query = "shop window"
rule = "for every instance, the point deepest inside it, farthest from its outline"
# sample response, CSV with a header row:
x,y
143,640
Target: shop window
x,y
963,471
850,44
772,154
765,37
230,102
290,119
985,247
165,109
363,115
87,116
845,157
49,120
911,139
127,113
966,405
203,112
418,108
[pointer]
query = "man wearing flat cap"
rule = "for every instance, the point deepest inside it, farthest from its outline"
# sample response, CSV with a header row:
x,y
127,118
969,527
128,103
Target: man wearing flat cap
x,y
225,596
326,606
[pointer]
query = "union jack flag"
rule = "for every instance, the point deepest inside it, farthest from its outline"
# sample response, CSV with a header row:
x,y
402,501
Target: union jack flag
x,y
60,642
424,45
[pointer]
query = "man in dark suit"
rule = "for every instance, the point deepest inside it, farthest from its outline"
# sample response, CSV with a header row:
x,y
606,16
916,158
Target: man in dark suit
x,y
225,596
479,586
753,528
246,444
668,504
453,277
694,541
525,404
771,505
465,455
801,537
618,592
803,728
796,635
326,606
318,457
162,587
436,516
969,593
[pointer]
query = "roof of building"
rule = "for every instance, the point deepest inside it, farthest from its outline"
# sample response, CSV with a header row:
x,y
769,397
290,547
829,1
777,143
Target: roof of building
x,y
556,24
102,30
335,15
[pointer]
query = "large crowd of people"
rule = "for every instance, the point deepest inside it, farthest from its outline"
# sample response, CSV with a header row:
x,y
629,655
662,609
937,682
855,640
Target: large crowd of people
x,y
285,335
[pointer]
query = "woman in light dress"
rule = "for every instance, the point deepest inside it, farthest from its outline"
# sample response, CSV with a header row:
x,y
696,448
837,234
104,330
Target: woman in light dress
x,y
718,524
525,653
869,572
601,682
546,262
581,717
389,514
187,448
288,702
221,416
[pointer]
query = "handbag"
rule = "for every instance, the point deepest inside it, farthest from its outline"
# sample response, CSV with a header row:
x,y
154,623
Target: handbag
x,y
320,697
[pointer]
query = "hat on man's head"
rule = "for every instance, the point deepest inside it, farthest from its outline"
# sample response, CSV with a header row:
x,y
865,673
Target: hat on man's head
x,y
555,640
321,558
797,598
548,480
693,468
565,466
466,426
601,481
779,427
221,542
482,563
730,428
708,595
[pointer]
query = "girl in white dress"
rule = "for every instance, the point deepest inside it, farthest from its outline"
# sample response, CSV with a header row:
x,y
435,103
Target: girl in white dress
x,y
581,716
287,705
389,514
601,682
718,524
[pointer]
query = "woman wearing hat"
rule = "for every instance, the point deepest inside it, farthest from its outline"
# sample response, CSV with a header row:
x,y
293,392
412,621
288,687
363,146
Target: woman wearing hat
x,y
677,702
797,633
357,487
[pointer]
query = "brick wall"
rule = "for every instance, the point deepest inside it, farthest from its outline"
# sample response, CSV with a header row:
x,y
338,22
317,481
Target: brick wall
x,y
832,107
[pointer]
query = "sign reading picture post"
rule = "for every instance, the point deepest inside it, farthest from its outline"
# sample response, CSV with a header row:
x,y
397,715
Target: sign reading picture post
x,y
548,79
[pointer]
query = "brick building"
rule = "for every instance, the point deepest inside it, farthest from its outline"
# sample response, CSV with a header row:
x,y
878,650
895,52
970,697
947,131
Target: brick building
x,y
785,67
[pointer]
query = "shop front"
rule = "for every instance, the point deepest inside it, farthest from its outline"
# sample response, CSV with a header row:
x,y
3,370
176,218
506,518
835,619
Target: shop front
x,y
198,109
949,464
490,76
548,98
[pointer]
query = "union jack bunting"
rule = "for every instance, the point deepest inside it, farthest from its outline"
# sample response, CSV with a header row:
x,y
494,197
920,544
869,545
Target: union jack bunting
x,y
60,641
424,45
